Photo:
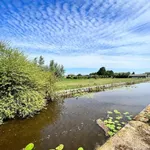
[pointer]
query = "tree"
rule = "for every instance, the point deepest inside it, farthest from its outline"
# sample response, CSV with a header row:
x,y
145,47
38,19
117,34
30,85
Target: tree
x,y
52,66
57,69
109,73
102,71
62,70
41,61
35,60
79,75
133,72
94,73
122,75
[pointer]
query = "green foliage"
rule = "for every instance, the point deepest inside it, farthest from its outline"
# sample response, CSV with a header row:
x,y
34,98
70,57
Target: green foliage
x,y
23,85
41,61
110,133
102,71
109,112
119,117
35,60
114,121
109,73
129,118
29,102
80,148
30,146
122,75
126,113
53,67
7,108
60,147
116,111
58,70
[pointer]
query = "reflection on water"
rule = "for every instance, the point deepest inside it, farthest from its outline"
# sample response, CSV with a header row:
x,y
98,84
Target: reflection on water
x,y
20,132
72,121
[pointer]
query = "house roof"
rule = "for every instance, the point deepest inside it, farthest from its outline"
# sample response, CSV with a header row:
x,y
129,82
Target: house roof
x,y
138,75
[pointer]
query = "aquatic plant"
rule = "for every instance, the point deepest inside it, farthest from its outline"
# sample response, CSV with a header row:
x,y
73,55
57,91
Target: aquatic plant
x,y
30,146
60,147
128,117
116,120
123,123
119,117
80,148
116,111
110,133
126,113
109,112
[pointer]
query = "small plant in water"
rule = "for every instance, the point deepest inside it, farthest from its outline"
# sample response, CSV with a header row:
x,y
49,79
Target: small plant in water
x,y
80,148
109,112
30,146
60,147
116,120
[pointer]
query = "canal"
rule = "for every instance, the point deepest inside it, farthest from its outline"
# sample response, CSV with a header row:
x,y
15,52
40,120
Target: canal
x,y
72,121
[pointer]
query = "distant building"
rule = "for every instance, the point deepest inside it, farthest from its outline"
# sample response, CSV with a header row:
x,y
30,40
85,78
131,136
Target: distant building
x,y
148,74
138,75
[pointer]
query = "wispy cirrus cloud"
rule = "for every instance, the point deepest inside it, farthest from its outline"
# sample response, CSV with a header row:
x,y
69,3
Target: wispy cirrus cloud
x,y
105,30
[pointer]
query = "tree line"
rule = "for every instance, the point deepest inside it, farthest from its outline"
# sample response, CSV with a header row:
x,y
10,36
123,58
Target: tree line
x,y
101,73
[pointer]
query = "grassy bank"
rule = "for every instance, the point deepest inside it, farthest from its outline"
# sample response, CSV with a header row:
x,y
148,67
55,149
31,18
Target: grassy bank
x,y
66,84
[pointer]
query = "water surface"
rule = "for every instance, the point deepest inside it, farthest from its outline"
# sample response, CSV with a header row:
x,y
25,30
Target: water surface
x,y
72,121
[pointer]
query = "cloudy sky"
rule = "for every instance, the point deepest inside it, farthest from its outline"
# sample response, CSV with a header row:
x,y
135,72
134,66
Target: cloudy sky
x,y
83,35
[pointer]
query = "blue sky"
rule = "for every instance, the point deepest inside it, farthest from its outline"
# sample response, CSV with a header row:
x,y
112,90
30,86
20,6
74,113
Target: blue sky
x,y
83,35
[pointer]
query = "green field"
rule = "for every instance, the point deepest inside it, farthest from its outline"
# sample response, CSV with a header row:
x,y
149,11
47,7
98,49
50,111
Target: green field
x,y
78,83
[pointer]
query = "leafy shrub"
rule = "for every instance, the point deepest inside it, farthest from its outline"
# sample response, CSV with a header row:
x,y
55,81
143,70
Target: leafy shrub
x,y
23,85
70,76
29,102
75,77
7,108
122,75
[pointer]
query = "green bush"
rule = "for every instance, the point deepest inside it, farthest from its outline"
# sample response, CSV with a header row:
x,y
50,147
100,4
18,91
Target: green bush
x,y
23,85
29,102
75,77
122,75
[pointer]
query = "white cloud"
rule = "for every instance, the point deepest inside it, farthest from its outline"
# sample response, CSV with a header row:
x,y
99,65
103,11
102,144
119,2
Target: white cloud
x,y
82,34
127,62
